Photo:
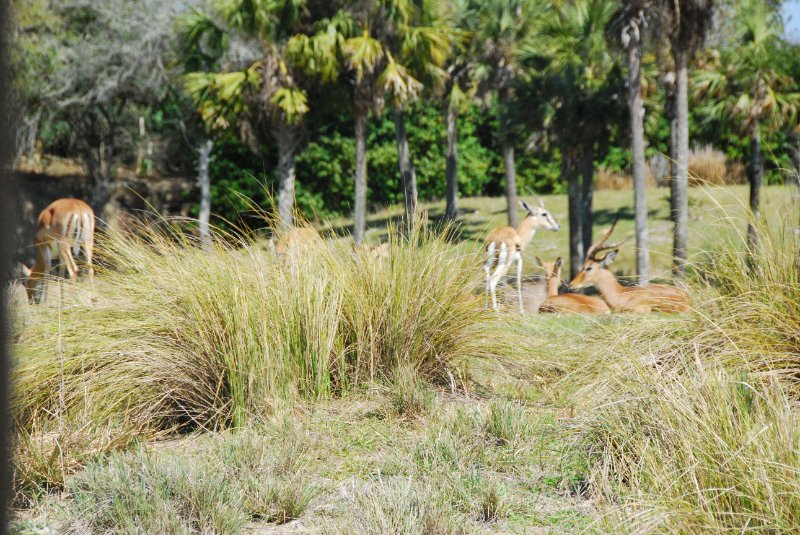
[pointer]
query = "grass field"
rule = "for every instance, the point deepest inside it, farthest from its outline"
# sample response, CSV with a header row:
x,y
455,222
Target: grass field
x,y
713,213
224,392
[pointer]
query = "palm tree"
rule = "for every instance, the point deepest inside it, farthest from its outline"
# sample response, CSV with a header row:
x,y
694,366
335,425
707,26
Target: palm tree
x,y
421,40
266,95
201,43
504,32
630,21
582,80
742,85
364,43
686,23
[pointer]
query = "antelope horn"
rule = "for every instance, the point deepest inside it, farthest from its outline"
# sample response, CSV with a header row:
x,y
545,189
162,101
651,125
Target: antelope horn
x,y
529,190
600,245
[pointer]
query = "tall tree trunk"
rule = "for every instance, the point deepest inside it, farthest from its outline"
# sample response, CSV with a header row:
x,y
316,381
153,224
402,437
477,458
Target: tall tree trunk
x,y
637,140
511,184
408,174
755,174
287,143
569,170
204,181
587,195
795,150
360,212
451,169
508,158
680,182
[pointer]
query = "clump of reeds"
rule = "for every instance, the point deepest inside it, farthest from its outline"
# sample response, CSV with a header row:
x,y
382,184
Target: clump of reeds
x,y
182,336
692,422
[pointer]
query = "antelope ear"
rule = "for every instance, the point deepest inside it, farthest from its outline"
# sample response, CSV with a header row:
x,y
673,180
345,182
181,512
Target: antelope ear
x,y
558,263
607,259
538,261
525,206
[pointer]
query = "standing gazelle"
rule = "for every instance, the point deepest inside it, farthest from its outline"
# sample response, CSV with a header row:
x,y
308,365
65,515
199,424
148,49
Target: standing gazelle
x,y
651,298
504,245
63,228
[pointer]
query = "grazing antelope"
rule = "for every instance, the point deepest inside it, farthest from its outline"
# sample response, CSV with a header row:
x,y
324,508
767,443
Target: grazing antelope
x,y
63,228
297,241
504,245
575,303
379,252
651,298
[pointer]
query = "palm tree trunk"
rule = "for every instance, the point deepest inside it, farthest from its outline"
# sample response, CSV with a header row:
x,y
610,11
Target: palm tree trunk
x,y
755,172
680,182
637,140
360,212
570,172
508,159
204,181
451,169
408,174
287,142
587,194
511,183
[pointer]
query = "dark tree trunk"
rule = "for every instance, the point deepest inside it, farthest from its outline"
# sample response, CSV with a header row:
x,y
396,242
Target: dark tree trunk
x,y
680,182
795,150
587,195
671,115
287,144
204,181
451,170
9,217
755,174
360,211
508,159
408,174
569,171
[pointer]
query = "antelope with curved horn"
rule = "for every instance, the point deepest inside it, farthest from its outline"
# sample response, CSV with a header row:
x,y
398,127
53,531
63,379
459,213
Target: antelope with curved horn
x,y
575,303
63,229
504,246
651,298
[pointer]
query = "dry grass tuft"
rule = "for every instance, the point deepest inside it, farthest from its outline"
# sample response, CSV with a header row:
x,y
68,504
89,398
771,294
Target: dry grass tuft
x,y
693,421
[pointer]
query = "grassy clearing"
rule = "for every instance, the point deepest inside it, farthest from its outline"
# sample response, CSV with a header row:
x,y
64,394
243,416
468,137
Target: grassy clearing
x,y
714,212
341,395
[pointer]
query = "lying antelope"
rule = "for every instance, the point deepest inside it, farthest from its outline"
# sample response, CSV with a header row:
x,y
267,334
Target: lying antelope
x,y
63,228
504,245
575,303
651,298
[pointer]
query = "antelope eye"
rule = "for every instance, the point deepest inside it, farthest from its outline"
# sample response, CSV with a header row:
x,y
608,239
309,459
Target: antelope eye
x,y
588,268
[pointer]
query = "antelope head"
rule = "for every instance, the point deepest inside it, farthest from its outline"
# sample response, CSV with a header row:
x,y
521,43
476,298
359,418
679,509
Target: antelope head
x,y
552,270
594,265
538,217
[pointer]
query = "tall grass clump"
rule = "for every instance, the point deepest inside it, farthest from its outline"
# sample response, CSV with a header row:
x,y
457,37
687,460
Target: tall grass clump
x,y
182,337
754,322
695,449
692,423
